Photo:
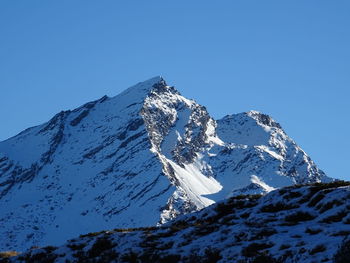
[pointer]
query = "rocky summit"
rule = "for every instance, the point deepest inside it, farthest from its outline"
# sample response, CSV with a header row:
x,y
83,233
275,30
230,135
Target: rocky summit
x,y
141,158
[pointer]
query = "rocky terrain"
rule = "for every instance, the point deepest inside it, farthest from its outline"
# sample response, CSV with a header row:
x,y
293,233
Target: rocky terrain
x,y
141,158
293,224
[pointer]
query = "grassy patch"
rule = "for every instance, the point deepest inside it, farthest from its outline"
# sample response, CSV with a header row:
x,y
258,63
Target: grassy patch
x,y
336,217
244,215
101,244
130,257
210,256
205,230
263,258
299,216
277,207
341,233
178,225
322,186
266,232
292,194
224,209
74,246
347,220
317,249
8,254
252,250
343,253
316,199
324,207
93,234
312,231
41,257
284,246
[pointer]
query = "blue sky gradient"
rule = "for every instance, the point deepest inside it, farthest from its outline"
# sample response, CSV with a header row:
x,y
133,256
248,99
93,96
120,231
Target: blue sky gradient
x,y
289,59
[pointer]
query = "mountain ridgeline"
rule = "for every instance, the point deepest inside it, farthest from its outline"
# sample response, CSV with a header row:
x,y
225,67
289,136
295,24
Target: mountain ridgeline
x,y
141,158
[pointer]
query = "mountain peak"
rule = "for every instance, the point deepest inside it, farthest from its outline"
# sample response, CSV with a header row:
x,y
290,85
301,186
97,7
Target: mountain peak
x,y
146,86
263,119
136,94
153,82
147,151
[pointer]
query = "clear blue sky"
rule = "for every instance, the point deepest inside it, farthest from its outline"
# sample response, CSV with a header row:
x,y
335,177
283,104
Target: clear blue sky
x,y
289,59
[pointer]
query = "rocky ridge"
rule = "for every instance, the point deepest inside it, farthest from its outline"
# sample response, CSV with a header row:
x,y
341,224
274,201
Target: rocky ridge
x,y
148,151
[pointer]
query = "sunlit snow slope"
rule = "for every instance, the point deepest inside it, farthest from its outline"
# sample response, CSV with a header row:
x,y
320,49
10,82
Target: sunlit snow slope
x,y
137,159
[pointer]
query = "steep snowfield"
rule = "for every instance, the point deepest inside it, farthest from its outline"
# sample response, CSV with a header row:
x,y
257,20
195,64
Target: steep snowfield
x,y
298,224
148,151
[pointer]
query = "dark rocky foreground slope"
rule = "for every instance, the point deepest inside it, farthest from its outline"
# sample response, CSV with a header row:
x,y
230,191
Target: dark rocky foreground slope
x,y
137,159
300,224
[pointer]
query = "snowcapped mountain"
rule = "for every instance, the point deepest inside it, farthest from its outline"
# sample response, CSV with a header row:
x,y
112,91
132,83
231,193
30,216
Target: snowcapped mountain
x,y
296,224
138,159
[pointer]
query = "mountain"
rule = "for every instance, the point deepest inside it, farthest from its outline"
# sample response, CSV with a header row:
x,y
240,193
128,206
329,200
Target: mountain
x,y
299,224
140,158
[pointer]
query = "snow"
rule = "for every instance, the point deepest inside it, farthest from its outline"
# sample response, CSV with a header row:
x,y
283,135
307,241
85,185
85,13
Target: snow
x,y
195,183
257,180
269,151
147,151
233,225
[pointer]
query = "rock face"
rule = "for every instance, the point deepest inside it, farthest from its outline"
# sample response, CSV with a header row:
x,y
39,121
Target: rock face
x,y
138,159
